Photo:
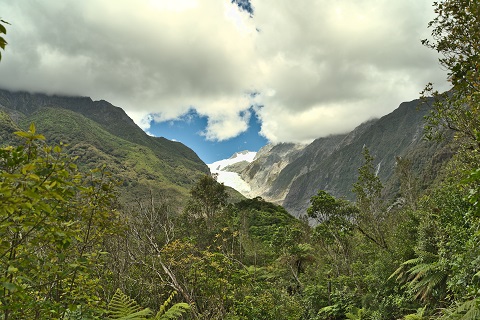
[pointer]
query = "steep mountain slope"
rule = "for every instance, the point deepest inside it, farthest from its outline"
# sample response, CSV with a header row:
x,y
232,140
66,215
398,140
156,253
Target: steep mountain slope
x,y
262,173
331,163
98,132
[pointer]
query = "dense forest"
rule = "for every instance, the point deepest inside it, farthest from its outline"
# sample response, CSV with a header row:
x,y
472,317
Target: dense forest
x,y
69,250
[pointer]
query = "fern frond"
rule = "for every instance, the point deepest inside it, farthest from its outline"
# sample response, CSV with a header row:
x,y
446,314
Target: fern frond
x,y
469,310
426,280
401,273
415,316
174,311
122,307
165,304
357,314
472,314
420,270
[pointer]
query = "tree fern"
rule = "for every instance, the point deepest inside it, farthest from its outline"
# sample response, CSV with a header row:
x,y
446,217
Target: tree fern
x,y
425,277
122,307
469,310
416,316
358,315
422,275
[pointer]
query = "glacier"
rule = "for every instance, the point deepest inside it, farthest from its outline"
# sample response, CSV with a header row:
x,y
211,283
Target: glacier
x,y
229,178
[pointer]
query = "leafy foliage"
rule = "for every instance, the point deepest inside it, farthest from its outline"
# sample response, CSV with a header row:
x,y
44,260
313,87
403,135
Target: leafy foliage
x,y
372,213
53,220
172,312
456,36
3,30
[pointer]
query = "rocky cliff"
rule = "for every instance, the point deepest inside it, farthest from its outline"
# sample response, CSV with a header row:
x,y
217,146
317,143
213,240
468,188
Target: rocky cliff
x,y
290,174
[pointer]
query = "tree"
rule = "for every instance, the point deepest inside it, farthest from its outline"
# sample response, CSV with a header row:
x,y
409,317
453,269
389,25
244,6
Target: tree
x,y
335,219
3,30
456,36
372,214
208,198
53,220
146,259
409,188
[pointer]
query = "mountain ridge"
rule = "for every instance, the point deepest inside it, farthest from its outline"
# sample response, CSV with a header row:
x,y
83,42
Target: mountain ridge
x,y
290,174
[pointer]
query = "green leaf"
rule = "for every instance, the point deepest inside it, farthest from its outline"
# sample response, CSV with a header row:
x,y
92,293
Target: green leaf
x,y
10,286
12,269
32,128
174,312
23,134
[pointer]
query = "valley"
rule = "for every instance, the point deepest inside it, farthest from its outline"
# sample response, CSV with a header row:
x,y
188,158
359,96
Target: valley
x,y
290,174
100,219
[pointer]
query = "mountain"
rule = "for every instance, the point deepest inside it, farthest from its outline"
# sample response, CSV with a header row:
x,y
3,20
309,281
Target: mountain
x,y
286,173
226,170
290,174
262,173
98,132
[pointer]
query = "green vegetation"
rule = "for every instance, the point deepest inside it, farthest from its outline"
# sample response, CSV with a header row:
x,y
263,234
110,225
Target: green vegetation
x,y
53,220
68,251
123,307
3,30
141,168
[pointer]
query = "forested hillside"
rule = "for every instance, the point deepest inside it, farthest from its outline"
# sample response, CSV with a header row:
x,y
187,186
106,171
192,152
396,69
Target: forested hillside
x,y
67,251
99,133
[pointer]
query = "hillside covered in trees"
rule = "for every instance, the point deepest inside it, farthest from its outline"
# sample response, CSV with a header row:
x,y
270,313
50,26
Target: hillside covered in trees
x,y
70,250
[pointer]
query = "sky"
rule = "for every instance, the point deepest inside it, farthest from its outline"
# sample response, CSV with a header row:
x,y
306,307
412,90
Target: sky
x,y
215,74
190,130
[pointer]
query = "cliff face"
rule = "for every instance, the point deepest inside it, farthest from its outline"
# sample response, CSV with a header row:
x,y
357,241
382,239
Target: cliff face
x,y
290,174
263,172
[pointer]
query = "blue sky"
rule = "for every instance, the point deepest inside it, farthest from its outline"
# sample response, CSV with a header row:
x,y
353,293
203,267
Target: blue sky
x,y
189,129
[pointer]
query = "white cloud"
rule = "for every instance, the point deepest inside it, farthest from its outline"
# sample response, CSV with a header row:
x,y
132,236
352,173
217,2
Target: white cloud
x,y
321,66
226,126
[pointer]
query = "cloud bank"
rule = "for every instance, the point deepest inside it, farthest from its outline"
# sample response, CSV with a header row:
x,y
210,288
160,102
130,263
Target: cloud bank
x,y
319,67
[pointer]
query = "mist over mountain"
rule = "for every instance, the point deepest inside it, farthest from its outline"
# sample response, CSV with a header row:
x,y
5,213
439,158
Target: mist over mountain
x,y
290,174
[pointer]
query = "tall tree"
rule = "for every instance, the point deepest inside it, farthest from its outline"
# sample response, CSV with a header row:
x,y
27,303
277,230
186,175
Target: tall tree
x,y
335,218
208,198
456,36
368,190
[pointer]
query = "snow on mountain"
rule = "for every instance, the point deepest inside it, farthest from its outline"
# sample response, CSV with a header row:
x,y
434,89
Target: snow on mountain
x,y
232,179
237,157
